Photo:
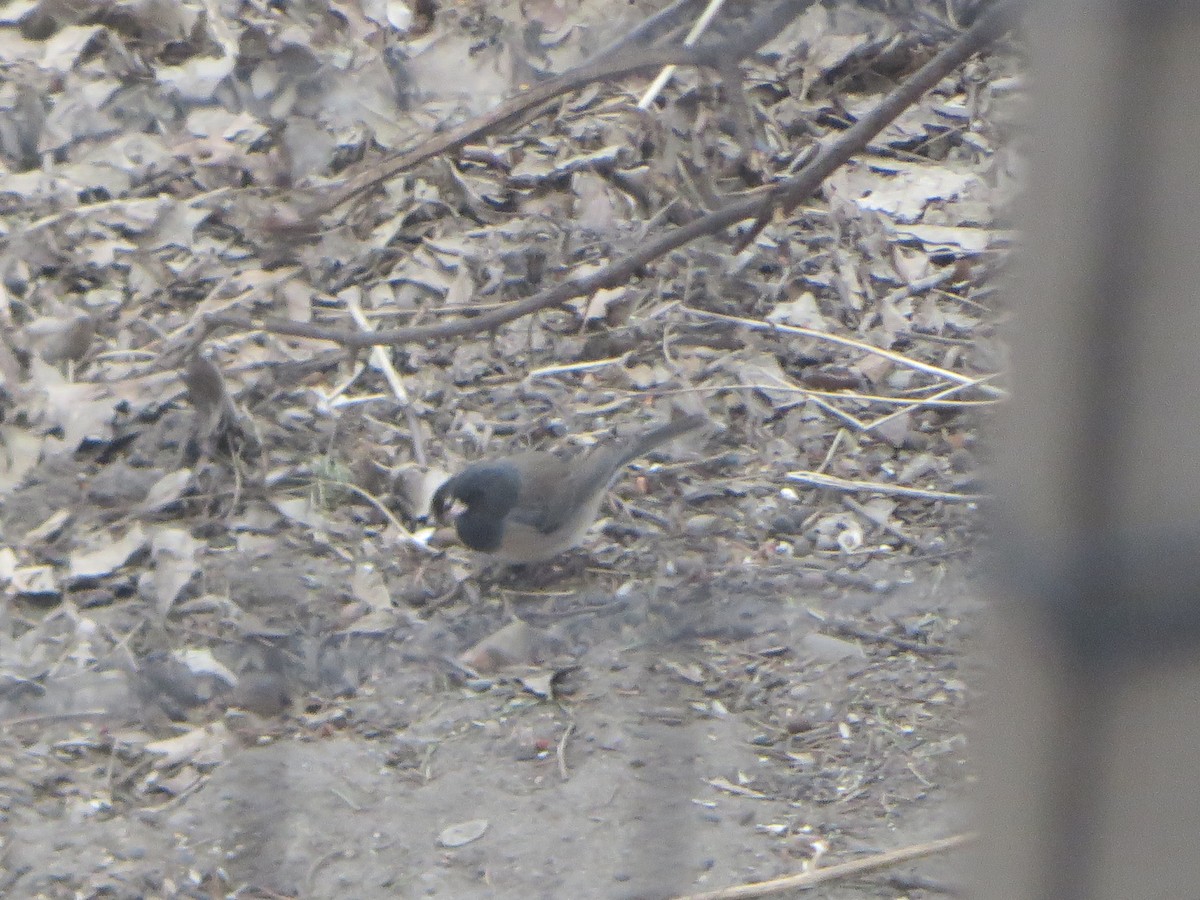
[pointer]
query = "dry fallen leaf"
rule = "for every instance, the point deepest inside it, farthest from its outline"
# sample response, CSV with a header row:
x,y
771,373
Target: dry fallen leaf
x,y
173,553
417,486
200,746
166,491
965,239
516,644
763,372
367,585
21,451
200,661
32,581
540,683
107,554
829,648
596,307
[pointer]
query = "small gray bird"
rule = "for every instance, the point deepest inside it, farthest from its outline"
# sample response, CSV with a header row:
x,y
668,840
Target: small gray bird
x,y
532,506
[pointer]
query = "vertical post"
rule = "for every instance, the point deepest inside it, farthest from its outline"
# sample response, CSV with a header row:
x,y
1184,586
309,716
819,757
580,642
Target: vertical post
x,y
1091,757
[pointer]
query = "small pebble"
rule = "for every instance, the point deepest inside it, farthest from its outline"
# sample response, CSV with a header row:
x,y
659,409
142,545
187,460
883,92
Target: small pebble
x,y
701,525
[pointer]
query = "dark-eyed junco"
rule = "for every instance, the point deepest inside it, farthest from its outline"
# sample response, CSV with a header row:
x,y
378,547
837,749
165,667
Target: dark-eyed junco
x,y
532,506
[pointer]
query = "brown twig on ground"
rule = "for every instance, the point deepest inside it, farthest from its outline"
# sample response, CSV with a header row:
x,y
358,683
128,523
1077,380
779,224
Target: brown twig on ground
x,y
849,629
806,880
782,195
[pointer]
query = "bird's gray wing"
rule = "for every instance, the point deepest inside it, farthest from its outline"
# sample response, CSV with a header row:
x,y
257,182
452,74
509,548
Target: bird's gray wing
x,y
546,497
565,495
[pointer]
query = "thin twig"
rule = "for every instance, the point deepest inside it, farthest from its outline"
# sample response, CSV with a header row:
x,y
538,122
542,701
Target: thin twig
x,y
932,400
849,629
827,337
588,366
383,362
710,56
407,535
561,751
786,193
806,880
833,446
816,479
921,285
837,413
660,81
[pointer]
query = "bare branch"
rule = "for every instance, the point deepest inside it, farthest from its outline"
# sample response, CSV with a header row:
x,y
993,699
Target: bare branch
x,y
783,195
713,56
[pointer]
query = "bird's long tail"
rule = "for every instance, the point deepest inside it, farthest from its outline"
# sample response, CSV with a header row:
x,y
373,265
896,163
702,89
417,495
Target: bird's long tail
x,y
622,454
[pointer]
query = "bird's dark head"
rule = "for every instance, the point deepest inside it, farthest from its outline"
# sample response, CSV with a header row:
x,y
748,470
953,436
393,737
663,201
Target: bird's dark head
x,y
488,491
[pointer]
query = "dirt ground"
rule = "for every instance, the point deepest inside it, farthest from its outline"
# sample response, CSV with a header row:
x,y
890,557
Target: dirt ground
x,y
703,737
238,658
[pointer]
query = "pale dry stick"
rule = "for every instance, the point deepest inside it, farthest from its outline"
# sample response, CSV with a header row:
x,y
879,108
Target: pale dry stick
x,y
921,285
577,367
931,400
379,356
908,362
816,479
610,406
833,446
737,790
806,880
706,17
937,399
408,536
837,413
561,752
137,354
328,398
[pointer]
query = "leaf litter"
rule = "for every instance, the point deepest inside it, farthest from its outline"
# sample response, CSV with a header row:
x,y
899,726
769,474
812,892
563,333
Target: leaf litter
x,y
195,520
